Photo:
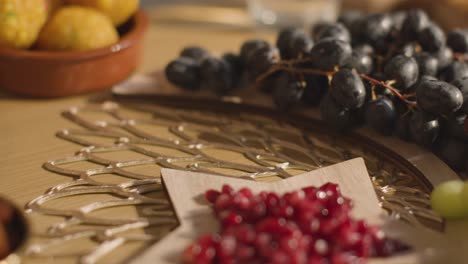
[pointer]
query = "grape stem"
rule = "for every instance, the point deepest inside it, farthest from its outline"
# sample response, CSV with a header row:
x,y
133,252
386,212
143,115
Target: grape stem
x,y
287,66
283,67
388,87
460,56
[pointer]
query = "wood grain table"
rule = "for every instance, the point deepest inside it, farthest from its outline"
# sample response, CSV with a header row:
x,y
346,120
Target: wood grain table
x,y
28,126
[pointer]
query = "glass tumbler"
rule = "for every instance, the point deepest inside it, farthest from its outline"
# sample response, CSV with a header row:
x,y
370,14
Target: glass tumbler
x,y
298,13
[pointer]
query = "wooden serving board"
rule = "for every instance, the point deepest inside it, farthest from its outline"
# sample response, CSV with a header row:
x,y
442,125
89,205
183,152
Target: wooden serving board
x,y
186,191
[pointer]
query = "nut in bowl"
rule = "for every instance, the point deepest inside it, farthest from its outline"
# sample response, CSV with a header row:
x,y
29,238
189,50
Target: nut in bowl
x,y
56,68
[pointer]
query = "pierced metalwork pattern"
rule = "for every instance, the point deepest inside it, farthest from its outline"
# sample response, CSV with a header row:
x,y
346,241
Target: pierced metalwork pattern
x,y
132,142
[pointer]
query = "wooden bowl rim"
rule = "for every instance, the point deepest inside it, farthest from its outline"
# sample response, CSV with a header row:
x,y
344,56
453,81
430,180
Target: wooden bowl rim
x,y
127,40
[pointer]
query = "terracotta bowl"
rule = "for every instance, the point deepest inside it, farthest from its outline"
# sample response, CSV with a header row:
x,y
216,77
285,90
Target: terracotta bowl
x,y
36,73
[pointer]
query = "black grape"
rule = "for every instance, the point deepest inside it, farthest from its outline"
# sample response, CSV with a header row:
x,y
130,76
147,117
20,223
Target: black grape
x,y
454,71
416,20
427,64
267,84
300,45
432,38
217,74
455,127
184,72
375,29
458,40
347,89
195,52
364,49
403,70
361,61
293,43
236,64
444,57
424,128
318,27
438,97
409,49
462,84
398,18
250,46
335,115
287,91
336,31
328,53
381,115
261,60
283,40
316,86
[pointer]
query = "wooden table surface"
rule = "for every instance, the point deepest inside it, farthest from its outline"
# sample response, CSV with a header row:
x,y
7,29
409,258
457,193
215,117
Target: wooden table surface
x,y
28,139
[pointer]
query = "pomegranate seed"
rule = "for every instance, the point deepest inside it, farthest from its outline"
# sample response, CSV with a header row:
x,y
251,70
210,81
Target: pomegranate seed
x,y
265,245
272,225
227,189
294,197
262,195
362,248
272,200
222,202
280,257
298,257
212,195
311,225
232,219
321,247
205,256
362,227
284,211
240,201
244,252
347,235
244,233
289,244
227,247
246,192
310,192
331,189
317,260
321,194
203,251
258,210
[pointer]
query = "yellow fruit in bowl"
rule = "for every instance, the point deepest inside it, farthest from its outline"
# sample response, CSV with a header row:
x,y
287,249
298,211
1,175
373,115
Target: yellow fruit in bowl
x,y
21,21
76,28
119,11
53,5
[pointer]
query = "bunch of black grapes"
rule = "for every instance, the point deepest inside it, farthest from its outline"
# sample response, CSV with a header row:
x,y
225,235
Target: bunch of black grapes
x,y
398,73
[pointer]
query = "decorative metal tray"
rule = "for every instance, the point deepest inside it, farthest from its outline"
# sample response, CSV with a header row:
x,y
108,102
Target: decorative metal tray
x,y
113,206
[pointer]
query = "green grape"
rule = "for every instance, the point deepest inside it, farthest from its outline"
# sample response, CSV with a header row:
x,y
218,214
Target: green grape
x,y
447,199
465,195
